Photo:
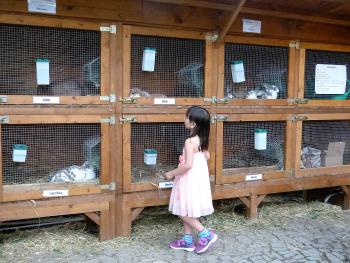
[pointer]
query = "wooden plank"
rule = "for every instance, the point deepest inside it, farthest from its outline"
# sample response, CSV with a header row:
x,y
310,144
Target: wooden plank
x,y
298,145
325,47
35,191
221,71
289,145
229,177
126,60
258,102
252,211
48,21
162,32
301,73
64,119
291,73
328,116
104,229
135,212
331,170
79,100
93,217
149,118
126,156
208,69
104,67
123,213
257,117
179,101
54,110
219,152
264,41
105,151
196,3
326,103
346,190
233,15
245,201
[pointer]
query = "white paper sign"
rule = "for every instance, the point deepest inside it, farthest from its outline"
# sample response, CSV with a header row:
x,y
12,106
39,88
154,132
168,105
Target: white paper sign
x,y
253,177
163,185
43,72
251,26
42,6
164,101
46,100
330,79
55,193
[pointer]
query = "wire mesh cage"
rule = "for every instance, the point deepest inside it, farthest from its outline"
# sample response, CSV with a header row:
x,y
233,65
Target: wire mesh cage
x,y
41,153
315,57
178,67
244,151
155,148
72,58
325,143
265,72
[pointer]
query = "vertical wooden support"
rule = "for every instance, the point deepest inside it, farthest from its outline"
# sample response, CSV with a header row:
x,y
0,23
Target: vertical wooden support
x,y
104,225
252,202
123,217
1,184
346,189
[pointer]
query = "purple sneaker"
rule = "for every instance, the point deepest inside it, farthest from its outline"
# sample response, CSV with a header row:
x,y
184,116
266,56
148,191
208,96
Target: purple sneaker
x,y
204,243
181,245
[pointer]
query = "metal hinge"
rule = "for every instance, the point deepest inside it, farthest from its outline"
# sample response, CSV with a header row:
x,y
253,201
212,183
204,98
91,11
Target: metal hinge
x,y
128,100
110,98
112,29
110,186
294,44
127,119
211,36
298,118
298,101
4,119
219,101
3,99
110,120
217,118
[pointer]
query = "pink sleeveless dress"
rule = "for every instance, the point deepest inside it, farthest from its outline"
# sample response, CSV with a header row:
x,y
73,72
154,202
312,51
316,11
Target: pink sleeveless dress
x,y
191,193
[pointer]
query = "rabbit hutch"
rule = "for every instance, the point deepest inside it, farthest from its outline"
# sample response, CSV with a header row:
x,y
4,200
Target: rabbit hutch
x,y
93,97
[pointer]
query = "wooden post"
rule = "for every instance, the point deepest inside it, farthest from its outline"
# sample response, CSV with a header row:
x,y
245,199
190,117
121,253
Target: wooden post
x,y
123,217
346,189
252,202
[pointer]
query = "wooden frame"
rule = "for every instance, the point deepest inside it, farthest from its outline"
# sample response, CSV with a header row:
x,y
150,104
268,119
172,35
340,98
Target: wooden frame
x,y
304,46
66,24
129,30
257,41
128,185
329,170
35,191
239,174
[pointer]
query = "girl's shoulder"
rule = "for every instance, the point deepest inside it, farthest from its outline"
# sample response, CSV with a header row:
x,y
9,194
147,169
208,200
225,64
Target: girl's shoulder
x,y
193,143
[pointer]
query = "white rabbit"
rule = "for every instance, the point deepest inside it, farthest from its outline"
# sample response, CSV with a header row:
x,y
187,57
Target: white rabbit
x,y
74,173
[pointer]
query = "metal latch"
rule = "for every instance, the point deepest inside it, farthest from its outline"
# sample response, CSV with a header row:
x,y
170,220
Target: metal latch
x,y
127,119
294,44
3,99
128,100
112,29
298,118
298,101
220,101
110,98
217,118
110,120
4,119
211,99
110,186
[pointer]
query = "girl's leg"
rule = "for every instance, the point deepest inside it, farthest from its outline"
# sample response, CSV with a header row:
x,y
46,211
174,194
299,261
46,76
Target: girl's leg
x,y
192,222
187,228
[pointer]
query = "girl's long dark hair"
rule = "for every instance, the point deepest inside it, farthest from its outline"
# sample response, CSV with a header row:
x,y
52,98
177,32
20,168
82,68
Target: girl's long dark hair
x,y
201,118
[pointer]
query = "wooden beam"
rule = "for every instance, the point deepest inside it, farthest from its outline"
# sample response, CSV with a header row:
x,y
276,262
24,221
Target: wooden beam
x,y
94,217
346,189
135,212
232,18
256,11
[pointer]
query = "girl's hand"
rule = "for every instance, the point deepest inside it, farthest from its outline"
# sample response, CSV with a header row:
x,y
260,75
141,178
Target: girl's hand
x,y
168,175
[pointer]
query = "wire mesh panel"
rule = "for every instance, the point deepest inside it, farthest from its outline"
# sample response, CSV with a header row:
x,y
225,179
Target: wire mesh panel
x,y
325,143
73,58
265,72
165,140
314,57
40,153
178,67
245,148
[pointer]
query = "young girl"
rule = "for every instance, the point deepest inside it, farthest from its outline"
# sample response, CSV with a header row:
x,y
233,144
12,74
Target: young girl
x,y
191,195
